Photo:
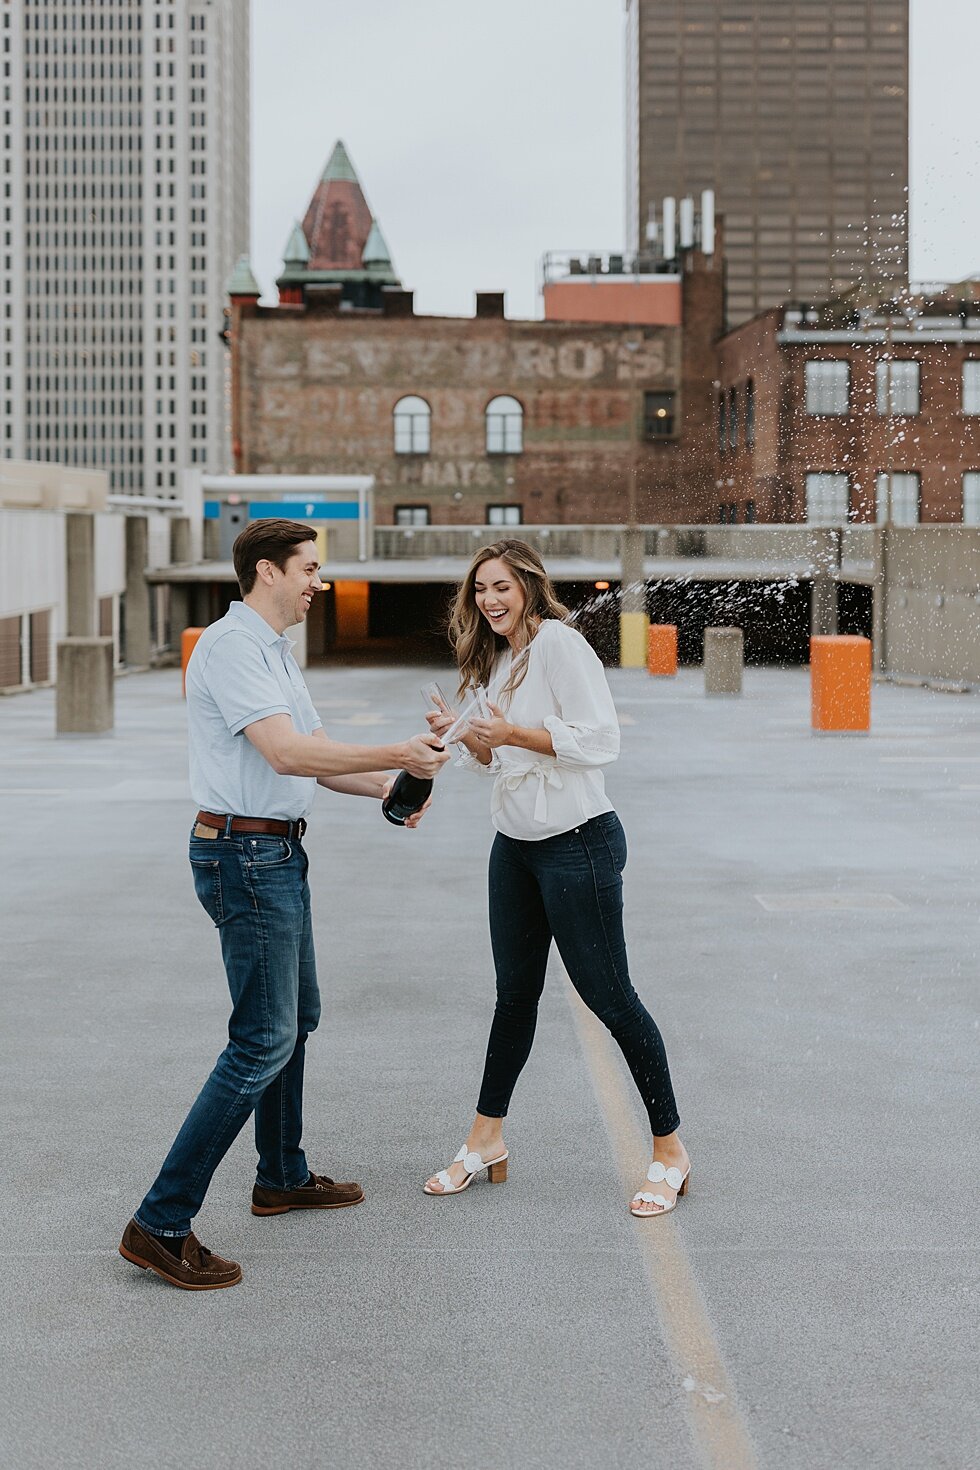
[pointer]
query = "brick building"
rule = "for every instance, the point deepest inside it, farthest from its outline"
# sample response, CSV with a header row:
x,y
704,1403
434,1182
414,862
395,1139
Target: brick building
x,y
482,419
852,413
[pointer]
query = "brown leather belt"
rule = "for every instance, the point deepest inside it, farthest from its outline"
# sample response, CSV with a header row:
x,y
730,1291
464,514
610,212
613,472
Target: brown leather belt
x,y
267,826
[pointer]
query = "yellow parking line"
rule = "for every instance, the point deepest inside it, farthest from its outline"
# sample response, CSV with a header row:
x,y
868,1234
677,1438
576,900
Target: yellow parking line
x,y
721,1438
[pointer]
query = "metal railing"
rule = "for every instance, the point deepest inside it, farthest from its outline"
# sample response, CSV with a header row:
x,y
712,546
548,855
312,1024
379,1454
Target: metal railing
x,y
755,543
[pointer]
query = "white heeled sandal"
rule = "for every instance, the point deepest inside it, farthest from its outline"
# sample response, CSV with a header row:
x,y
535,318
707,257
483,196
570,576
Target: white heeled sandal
x,y
657,1174
473,1163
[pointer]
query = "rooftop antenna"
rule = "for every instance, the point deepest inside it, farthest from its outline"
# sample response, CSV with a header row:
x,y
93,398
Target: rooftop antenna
x,y
670,228
708,222
687,223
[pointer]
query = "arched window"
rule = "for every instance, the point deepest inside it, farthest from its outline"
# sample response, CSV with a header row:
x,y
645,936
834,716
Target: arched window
x,y
505,426
413,418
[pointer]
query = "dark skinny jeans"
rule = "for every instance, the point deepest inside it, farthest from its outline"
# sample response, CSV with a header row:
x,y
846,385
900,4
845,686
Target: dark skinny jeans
x,y
568,888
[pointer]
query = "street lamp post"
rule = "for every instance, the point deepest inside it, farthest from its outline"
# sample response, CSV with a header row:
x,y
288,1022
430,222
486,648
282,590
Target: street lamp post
x,y
882,530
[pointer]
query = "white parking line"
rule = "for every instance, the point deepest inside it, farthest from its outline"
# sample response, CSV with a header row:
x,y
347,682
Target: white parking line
x,y
719,1433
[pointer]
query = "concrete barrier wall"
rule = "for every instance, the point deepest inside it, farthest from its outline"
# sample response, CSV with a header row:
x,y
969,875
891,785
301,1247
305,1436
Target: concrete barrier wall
x,y
32,564
778,544
932,618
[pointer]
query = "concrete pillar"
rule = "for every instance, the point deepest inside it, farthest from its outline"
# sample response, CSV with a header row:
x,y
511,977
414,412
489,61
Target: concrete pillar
x,y
212,540
667,541
137,650
85,693
879,595
633,620
80,574
826,565
180,612
723,659
180,540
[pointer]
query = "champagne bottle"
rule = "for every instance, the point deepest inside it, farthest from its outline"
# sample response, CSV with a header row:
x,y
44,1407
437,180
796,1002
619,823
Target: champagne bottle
x,y
407,795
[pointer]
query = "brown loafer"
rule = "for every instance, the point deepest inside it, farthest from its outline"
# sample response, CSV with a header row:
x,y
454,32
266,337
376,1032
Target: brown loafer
x,y
318,1193
197,1269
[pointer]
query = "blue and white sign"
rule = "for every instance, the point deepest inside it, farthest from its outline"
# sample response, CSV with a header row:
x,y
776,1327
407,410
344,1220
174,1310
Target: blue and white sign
x,y
304,510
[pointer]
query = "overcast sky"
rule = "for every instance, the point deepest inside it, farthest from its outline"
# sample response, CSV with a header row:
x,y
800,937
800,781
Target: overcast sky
x,y
486,134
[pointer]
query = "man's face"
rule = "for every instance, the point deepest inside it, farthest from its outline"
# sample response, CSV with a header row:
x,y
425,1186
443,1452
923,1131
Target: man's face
x,y
298,583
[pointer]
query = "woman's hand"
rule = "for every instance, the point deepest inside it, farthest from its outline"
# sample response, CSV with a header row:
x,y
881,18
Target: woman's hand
x,y
439,722
493,732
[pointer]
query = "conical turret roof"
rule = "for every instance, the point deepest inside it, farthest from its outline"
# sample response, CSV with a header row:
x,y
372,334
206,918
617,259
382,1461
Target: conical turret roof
x,y
339,168
242,282
297,251
339,241
376,255
338,221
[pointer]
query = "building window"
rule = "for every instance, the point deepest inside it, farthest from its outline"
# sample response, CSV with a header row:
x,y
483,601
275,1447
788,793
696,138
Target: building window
x,y
971,387
505,426
728,514
750,512
722,423
733,418
412,515
750,413
827,499
413,419
828,387
971,498
898,387
903,488
658,415
504,515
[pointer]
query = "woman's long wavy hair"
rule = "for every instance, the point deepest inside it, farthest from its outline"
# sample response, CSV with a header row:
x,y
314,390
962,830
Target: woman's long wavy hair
x,y
474,642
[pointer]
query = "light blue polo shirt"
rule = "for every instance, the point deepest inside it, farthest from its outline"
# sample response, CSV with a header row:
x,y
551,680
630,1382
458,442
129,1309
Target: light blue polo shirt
x,y
241,671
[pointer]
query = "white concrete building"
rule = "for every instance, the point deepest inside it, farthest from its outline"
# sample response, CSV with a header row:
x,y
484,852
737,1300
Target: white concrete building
x,y
35,501
125,204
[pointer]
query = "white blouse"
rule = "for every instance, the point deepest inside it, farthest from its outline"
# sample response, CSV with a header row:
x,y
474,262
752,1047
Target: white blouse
x,y
564,691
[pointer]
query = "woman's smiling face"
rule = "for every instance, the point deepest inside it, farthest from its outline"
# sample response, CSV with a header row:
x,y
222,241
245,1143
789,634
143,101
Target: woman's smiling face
x,y
499,597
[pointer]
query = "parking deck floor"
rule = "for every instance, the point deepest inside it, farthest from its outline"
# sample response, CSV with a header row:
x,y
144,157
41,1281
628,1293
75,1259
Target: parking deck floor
x,y
803,922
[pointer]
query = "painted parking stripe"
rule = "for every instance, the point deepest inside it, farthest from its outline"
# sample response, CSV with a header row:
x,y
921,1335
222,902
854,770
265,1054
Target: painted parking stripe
x,y
719,1433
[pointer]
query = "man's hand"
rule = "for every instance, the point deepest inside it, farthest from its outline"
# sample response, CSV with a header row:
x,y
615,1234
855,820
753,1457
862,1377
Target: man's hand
x,y
493,732
423,756
416,817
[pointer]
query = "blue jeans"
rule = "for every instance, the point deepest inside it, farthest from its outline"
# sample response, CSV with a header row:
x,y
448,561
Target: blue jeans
x,y
255,890
568,888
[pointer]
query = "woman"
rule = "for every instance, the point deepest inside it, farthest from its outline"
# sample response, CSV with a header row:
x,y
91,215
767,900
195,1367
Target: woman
x,y
557,859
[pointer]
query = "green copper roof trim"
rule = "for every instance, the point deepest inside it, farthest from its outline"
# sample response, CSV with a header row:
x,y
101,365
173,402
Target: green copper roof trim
x,y
297,251
339,166
376,253
326,278
241,282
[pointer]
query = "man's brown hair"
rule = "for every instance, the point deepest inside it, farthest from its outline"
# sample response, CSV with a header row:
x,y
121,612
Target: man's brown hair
x,y
266,540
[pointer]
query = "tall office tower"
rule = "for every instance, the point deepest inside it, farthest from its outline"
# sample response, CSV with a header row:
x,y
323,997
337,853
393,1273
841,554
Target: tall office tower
x,y
125,206
796,113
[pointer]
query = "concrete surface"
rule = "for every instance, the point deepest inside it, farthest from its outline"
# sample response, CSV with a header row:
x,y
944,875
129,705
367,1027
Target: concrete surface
x,y
803,918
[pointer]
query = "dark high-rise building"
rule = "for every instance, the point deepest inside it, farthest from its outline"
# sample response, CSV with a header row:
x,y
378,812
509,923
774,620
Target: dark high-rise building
x,y
796,113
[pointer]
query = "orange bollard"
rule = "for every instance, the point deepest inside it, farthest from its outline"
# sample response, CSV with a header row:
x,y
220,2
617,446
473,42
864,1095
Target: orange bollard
x,y
840,684
662,649
188,641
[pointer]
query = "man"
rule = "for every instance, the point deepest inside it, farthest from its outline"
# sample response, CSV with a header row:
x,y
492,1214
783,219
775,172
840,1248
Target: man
x,y
257,753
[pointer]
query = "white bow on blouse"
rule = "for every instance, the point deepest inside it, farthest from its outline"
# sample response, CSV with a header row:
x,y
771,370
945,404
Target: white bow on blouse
x,y
547,775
